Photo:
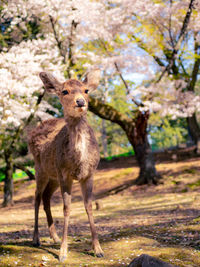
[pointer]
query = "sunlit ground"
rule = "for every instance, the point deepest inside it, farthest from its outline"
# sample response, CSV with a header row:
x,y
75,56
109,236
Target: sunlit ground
x,y
162,221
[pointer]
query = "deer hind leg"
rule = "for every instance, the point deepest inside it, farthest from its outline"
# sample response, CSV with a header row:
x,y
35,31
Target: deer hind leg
x,y
66,188
41,184
86,187
46,197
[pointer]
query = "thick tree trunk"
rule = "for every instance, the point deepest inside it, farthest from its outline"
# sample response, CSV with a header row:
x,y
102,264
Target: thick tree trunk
x,y
193,127
104,139
145,158
8,182
138,139
136,131
194,131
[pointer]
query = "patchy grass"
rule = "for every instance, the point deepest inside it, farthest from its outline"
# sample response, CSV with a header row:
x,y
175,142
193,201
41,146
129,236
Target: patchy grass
x,y
162,221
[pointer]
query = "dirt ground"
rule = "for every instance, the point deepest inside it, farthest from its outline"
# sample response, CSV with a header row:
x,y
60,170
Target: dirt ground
x,y
162,221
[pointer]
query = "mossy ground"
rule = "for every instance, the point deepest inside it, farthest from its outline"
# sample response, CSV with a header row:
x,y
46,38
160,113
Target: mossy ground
x,y
162,221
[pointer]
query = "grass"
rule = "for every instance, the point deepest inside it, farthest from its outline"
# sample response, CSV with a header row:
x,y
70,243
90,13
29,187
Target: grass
x,y
126,154
162,221
16,175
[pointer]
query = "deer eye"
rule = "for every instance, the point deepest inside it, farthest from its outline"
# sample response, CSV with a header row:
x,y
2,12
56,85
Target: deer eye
x,y
86,91
65,92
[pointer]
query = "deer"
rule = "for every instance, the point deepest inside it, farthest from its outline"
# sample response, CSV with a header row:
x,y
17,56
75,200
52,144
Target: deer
x,y
64,150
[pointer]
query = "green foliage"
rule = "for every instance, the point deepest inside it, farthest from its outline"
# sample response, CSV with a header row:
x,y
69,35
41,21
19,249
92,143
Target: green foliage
x,y
116,139
16,174
130,153
167,133
119,98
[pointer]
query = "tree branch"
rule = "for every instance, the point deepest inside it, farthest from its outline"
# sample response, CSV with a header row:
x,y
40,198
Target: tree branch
x,y
195,69
186,20
182,33
71,47
170,27
107,112
126,85
26,170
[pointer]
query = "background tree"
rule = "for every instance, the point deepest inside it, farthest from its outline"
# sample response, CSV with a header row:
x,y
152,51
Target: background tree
x,y
21,95
173,43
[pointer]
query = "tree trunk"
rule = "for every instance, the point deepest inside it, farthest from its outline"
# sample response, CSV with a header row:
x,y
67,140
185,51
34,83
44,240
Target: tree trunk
x,y
145,158
104,139
8,182
138,139
194,131
193,127
136,131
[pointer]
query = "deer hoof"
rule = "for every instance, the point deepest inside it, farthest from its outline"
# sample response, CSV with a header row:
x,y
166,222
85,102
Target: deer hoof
x,y
99,255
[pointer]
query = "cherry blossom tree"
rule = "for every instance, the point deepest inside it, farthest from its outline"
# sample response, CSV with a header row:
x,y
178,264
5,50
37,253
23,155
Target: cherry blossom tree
x,y
21,95
163,34
173,32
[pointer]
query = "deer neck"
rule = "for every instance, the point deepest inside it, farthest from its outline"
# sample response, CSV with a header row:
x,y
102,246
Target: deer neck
x,y
76,125
78,136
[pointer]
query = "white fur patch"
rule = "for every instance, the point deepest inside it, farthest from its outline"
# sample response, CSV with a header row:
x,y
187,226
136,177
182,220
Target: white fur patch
x,y
81,146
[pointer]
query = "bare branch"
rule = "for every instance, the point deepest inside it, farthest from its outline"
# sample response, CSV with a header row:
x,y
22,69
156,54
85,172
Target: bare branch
x,y
170,26
126,85
59,43
182,33
71,47
121,76
186,20
183,68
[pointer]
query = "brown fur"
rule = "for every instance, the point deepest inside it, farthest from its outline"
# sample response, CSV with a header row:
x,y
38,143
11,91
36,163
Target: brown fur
x,y
72,83
44,134
65,150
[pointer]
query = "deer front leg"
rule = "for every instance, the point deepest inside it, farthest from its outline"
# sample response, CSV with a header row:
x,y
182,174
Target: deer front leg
x,y
41,184
86,187
66,187
46,197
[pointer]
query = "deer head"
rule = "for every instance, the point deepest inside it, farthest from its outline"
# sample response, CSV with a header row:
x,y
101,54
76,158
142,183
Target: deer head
x,y
73,94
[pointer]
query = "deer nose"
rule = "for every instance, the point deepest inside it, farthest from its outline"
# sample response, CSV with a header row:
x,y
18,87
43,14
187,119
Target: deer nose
x,y
80,102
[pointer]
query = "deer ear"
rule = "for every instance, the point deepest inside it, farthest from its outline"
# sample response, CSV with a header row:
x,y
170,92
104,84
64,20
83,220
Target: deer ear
x,y
51,84
92,79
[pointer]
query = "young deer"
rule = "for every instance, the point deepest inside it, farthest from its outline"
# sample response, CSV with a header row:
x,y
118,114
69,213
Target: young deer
x,y
65,150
